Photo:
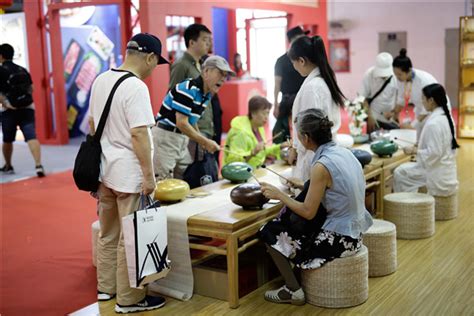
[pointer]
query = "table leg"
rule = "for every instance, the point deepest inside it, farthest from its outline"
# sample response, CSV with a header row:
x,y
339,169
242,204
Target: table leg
x,y
379,196
233,271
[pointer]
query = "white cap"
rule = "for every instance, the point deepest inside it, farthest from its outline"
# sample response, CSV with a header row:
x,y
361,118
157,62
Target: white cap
x,y
218,62
383,65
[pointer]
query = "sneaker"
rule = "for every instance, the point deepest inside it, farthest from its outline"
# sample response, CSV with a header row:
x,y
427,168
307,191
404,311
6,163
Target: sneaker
x,y
102,296
147,304
7,169
285,295
40,171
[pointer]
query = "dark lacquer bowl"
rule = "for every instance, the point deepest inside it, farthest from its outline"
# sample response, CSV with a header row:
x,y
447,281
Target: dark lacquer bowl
x,y
249,196
363,156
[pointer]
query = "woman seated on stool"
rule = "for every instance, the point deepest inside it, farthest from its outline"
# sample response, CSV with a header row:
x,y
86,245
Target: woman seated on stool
x,y
246,140
337,183
435,165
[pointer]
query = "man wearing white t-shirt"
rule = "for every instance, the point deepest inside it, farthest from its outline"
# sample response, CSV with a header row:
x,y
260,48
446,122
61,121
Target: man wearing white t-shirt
x,y
379,88
126,166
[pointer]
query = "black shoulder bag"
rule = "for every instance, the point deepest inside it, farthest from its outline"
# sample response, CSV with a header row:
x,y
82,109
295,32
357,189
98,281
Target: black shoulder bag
x,y
87,164
369,100
201,171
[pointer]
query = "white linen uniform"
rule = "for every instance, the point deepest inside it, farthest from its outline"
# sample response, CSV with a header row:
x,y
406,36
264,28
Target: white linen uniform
x,y
385,101
313,94
435,165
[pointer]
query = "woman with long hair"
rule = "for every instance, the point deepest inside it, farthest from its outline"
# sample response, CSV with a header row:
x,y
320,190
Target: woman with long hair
x,y
319,91
435,165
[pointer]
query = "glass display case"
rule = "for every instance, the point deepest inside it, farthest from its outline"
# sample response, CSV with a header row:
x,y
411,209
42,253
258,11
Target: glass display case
x,y
466,78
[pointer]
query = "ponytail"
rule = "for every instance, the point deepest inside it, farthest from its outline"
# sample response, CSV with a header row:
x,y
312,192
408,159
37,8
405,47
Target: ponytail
x,y
313,50
437,92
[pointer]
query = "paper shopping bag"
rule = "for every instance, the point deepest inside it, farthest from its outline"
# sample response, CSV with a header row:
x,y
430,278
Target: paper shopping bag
x,y
146,244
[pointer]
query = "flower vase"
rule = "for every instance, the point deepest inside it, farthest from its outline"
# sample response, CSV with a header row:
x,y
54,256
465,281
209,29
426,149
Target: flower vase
x,y
357,133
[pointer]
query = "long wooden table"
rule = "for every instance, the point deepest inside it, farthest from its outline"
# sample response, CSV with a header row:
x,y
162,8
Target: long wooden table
x,y
231,223
237,227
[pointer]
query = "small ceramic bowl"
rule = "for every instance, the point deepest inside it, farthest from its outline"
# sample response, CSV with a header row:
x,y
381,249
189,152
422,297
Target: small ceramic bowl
x,y
236,172
171,190
249,196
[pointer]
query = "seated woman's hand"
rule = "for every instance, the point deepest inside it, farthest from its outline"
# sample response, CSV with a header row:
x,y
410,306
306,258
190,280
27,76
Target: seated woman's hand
x,y
260,146
270,191
296,183
292,156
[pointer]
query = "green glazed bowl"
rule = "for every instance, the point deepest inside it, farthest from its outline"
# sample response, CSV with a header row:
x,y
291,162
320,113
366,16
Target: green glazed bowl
x,y
236,171
384,147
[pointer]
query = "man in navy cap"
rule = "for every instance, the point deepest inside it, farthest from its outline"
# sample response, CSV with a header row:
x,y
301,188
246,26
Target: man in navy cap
x,y
126,166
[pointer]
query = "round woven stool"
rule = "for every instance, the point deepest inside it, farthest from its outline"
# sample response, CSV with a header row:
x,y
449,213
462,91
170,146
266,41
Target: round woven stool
x,y
95,235
381,240
446,207
343,282
412,213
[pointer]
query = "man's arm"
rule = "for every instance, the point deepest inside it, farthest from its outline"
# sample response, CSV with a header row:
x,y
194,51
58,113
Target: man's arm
x,y
142,148
276,92
182,122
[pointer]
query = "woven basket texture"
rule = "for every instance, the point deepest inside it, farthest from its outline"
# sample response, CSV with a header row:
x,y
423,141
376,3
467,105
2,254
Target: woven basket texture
x,y
446,207
340,283
412,213
381,241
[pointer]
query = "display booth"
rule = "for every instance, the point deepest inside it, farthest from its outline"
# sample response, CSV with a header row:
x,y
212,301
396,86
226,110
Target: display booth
x,y
70,43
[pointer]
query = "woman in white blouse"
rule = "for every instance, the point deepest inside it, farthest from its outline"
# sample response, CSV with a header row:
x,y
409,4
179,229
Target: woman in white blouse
x,y
410,83
435,165
319,91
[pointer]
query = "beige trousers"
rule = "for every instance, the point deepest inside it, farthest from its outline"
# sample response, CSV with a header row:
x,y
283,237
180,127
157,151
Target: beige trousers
x,y
112,273
171,156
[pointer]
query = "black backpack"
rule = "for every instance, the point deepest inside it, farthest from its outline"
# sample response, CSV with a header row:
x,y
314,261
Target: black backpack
x,y
19,88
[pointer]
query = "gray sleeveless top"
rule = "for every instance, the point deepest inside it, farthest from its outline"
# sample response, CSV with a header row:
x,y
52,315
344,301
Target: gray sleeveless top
x,y
345,200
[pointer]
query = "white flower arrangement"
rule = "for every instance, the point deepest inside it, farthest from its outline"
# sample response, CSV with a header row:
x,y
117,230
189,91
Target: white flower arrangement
x,y
358,114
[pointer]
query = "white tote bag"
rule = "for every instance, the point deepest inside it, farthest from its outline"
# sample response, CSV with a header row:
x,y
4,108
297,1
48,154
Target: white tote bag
x,y
146,244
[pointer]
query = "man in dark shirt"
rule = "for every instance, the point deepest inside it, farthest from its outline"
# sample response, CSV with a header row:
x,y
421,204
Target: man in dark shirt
x,y
287,81
14,115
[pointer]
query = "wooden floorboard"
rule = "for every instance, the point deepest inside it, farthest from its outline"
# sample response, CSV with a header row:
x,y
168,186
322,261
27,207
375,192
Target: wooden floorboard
x,y
435,276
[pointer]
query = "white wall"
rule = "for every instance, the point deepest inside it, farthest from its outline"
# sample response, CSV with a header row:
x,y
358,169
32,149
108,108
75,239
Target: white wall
x,y
424,21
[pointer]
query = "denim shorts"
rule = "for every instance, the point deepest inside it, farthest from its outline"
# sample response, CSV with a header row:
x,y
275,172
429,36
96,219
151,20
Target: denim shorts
x,y
11,119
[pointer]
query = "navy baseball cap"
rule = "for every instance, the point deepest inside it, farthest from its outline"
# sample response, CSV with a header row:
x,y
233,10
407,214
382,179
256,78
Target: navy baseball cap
x,y
148,43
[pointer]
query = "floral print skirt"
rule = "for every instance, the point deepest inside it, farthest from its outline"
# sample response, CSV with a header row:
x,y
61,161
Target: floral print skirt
x,y
303,241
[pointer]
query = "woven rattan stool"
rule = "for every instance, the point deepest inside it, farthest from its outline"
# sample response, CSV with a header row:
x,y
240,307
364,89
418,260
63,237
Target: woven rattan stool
x,y
95,235
381,240
412,213
446,207
343,282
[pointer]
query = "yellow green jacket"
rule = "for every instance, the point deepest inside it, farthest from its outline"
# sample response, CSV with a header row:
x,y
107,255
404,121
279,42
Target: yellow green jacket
x,y
241,141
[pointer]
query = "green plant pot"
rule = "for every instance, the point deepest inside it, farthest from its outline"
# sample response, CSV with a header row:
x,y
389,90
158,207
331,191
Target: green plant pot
x,y
236,172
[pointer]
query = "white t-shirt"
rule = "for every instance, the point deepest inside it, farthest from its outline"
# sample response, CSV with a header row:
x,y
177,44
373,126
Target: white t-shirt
x,y
131,107
385,101
314,93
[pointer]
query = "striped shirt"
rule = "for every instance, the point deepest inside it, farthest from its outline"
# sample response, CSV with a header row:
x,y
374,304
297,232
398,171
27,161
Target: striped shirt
x,y
187,98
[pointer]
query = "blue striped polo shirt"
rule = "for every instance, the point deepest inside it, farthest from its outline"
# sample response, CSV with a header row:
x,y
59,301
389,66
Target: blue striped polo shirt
x,y
187,98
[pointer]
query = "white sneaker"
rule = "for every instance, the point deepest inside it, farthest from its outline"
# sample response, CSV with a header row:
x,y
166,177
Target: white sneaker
x,y
294,297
